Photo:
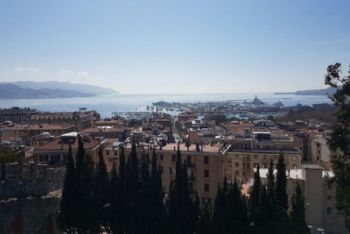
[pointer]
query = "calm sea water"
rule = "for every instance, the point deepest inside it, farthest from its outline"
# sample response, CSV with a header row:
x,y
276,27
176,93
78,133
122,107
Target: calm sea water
x,y
106,105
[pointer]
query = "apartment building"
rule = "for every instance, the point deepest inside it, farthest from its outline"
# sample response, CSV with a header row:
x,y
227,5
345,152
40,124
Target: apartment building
x,y
204,162
258,148
320,204
55,153
319,151
80,120
27,131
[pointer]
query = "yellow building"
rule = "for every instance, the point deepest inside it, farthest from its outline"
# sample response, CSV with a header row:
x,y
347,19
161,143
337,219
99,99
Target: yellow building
x,y
208,165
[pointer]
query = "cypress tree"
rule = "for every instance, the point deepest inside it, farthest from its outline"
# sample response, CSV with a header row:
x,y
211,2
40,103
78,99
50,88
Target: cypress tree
x,y
101,190
271,208
144,202
255,197
86,219
116,211
67,212
277,217
261,226
132,189
271,182
80,154
180,203
281,184
220,215
205,220
119,196
239,214
298,212
157,224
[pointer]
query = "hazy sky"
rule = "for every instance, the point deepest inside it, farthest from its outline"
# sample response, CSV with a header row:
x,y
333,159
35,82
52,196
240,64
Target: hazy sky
x,y
177,46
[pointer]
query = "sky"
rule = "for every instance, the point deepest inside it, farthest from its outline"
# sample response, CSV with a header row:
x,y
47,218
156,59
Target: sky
x,y
181,46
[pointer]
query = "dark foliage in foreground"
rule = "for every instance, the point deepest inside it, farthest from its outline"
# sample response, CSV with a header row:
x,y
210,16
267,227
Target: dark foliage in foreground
x,y
132,200
339,140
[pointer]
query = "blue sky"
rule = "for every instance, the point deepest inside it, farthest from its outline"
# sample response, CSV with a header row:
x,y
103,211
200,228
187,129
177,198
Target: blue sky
x,y
182,46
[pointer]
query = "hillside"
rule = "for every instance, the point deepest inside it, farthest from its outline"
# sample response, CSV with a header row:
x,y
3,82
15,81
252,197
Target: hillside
x,y
326,91
84,88
11,91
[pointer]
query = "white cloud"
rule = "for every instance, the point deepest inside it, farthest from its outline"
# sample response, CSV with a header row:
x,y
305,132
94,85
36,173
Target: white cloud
x,y
65,71
18,68
36,69
28,69
83,74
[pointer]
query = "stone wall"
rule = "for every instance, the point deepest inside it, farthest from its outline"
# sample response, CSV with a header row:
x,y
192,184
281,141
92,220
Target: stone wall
x,y
32,180
28,215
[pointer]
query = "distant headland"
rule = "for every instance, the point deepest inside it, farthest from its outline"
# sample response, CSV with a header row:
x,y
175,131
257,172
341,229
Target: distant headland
x,y
50,89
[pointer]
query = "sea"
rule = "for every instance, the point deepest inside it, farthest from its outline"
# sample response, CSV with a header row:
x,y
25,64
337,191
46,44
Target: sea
x,y
107,105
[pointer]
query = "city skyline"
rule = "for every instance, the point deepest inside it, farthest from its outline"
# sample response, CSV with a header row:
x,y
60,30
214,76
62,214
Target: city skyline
x,y
175,47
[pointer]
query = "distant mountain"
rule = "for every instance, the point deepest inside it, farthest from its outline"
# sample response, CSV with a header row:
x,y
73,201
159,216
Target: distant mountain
x,y
83,88
11,91
327,91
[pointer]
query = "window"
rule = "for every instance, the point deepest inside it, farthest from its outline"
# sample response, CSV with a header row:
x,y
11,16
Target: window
x,y
237,164
115,153
107,152
161,157
329,197
206,159
170,170
237,173
190,186
43,158
161,170
173,158
206,173
329,210
206,187
189,159
55,158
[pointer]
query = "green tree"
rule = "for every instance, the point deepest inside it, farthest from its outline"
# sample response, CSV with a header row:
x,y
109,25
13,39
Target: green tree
x,y
144,202
298,212
339,140
230,213
118,196
67,212
255,198
131,191
116,208
281,183
101,190
158,214
271,192
271,206
85,205
239,221
219,213
181,204
277,216
205,220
